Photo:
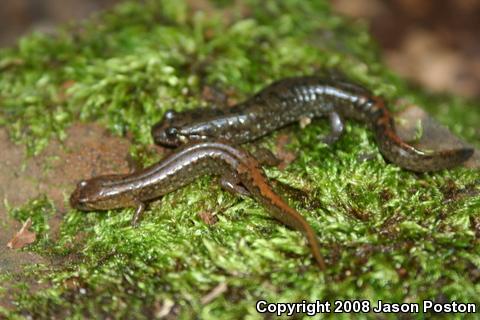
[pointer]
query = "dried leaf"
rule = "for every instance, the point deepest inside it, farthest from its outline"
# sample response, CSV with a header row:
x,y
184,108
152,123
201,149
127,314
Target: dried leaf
x,y
208,218
22,237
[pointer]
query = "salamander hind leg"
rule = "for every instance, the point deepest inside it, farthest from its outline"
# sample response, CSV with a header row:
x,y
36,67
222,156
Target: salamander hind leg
x,y
337,127
233,185
265,157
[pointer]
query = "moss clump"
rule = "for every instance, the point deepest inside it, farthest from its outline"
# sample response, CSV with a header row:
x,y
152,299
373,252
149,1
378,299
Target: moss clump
x,y
389,234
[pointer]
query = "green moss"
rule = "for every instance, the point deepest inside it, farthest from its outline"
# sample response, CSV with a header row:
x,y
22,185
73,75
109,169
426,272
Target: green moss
x,y
389,234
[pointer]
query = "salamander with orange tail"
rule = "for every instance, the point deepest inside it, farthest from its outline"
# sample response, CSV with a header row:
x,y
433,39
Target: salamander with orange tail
x,y
292,100
240,174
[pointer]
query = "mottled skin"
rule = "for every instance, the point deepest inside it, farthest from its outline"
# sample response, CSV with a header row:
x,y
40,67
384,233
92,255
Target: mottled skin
x,y
293,100
240,173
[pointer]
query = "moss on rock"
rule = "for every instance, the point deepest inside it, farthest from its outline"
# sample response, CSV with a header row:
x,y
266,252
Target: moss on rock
x,y
388,234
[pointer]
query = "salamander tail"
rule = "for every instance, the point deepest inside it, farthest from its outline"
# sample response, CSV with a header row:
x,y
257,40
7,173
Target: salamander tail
x,y
411,158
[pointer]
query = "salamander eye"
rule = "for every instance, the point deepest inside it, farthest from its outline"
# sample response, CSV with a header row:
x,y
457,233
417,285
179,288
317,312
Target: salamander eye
x,y
82,183
171,132
169,114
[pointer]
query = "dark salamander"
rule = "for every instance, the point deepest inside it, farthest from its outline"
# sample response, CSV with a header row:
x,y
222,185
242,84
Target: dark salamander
x,y
302,98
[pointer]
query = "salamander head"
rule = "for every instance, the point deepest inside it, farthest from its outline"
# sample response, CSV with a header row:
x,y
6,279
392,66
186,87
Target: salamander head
x,y
167,136
178,128
93,194
175,134
167,131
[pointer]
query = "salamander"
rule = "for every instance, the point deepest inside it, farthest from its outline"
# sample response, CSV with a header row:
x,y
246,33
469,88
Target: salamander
x,y
239,172
298,99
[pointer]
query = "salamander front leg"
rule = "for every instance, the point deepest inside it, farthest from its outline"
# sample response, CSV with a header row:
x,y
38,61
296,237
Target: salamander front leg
x,y
231,184
337,127
138,213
